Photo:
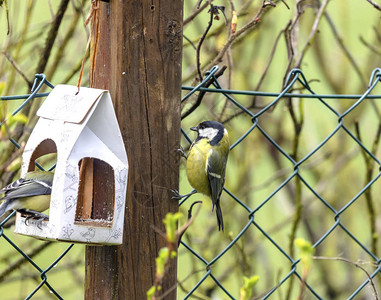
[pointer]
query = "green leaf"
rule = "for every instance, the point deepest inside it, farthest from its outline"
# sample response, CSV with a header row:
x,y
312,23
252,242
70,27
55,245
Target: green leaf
x,y
170,222
161,261
16,119
306,251
151,293
246,290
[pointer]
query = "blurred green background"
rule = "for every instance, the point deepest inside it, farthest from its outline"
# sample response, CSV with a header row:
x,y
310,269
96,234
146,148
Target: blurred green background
x,y
336,44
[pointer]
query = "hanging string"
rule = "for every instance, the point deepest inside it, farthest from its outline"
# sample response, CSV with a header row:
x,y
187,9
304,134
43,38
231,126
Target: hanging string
x,y
94,18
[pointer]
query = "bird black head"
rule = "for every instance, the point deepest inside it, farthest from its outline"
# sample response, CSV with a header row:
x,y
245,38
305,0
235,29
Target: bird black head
x,y
211,130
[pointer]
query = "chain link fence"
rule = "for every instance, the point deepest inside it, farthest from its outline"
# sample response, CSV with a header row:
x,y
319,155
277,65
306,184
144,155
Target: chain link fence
x,y
26,252
312,209
308,196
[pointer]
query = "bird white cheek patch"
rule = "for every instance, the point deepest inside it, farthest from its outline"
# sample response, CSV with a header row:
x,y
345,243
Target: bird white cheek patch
x,y
83,130
208,133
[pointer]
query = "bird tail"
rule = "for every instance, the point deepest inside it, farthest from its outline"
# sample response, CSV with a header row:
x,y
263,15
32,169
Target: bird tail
x,y
220,220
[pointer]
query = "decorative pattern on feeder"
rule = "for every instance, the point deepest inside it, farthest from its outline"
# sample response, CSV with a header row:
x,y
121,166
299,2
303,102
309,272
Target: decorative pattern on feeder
x,y
83,130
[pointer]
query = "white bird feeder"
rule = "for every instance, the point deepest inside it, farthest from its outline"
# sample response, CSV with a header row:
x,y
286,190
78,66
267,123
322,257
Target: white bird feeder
x,y
83,130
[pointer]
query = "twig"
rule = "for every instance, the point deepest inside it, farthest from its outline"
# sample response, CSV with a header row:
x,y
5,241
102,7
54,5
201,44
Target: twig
x,y
17,68
190,42
351,59
371,47
261,79
345,50
378,35
66,39
202,93
368,177
229,54
313,32
375,5
52,34
269,61
298,125
236,35
195,13
290,43
172,246
51,9
5,2
198,63
184,228
21,41
194,295
358,265
284,2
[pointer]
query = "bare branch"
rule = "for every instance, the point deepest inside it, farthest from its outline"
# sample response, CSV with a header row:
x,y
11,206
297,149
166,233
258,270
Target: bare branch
x,y
313,32
345,50
196,13
356,264
370,46
202,93
17,68
210,23
236,35
52,37
375,5
284,2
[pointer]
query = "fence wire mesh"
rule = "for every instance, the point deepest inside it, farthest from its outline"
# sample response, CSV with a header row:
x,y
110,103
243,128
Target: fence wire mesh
x,y
40,82
252,209
310,287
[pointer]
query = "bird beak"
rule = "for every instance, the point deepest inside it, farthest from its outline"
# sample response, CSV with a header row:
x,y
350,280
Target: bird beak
x,y
193,128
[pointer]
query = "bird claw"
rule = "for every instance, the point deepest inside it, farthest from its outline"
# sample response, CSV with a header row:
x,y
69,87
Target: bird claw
x,y
182,152
39,217
176,195
39,222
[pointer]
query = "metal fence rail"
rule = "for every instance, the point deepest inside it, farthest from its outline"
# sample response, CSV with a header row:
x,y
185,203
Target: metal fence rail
x,y
295,77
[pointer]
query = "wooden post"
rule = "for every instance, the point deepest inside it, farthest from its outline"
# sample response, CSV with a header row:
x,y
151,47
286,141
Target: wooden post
x,y
139,60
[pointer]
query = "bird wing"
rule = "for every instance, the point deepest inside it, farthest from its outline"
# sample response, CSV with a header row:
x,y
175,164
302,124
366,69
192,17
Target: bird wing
x,y
215,167
25,188
216,174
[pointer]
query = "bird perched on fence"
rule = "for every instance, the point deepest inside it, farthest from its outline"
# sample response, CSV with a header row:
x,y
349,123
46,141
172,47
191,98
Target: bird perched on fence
x,y
29,194
206,163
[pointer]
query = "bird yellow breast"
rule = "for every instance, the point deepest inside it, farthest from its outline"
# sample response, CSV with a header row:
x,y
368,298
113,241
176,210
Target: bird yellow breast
x,y
196,171
38,203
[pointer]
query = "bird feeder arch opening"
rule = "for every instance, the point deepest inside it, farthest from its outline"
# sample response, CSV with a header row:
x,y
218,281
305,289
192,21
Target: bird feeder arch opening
x,y
47,146
96,196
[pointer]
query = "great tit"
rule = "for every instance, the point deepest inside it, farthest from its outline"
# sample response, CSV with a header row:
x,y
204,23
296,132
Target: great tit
x,y
30,194
206,163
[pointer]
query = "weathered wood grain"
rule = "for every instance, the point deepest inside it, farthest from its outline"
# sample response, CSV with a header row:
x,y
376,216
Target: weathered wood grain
x,y
139,61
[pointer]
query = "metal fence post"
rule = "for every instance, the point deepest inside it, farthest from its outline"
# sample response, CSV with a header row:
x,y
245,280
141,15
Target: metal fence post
x,y
139,60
